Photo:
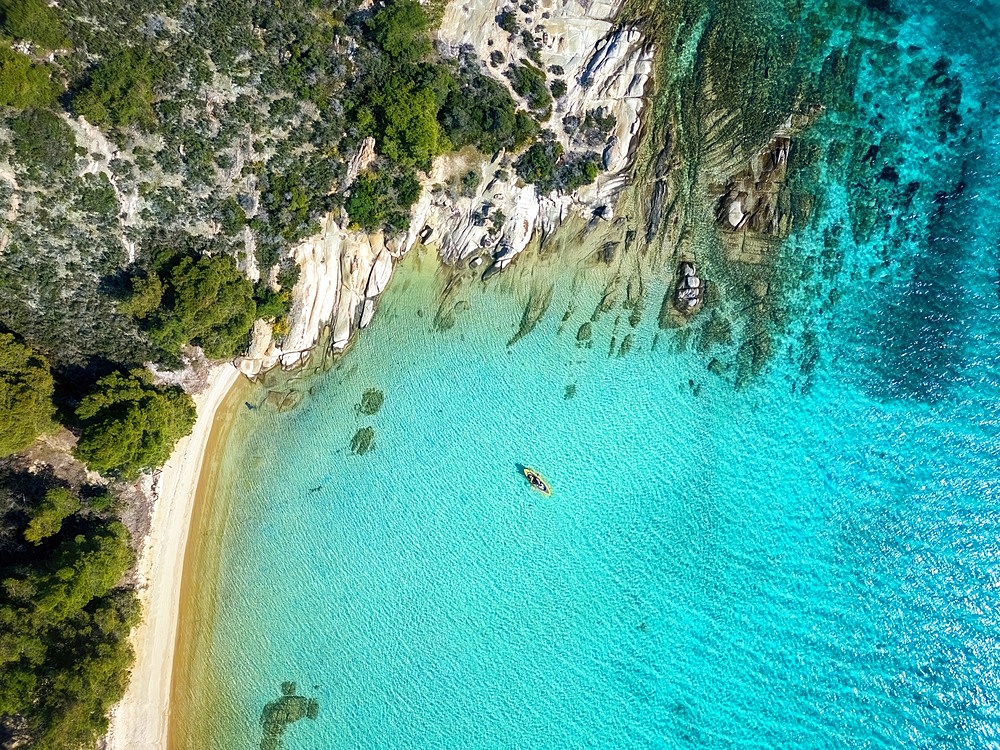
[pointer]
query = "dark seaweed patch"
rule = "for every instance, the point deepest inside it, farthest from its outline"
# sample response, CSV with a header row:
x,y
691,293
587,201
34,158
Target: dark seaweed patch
x,y
362,441
371,402
281,712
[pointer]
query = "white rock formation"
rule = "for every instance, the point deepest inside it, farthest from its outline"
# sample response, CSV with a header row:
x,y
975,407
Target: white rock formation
x,y
342,274
605,68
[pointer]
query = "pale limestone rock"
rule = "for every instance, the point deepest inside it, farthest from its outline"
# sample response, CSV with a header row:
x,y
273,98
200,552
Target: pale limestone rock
x,y
344,271
360,161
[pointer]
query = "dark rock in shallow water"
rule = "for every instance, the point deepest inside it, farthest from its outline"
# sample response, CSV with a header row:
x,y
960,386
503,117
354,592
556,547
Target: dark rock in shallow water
x,y
362,441
279,713
689,290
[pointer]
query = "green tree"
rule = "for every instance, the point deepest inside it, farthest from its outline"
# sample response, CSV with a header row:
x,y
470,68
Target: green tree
x,y
25,395
64,626
22,83
35,21
381,198
43,143
145,297
529,82
400,29
46,520
206,301
411,132
130,425
481,112
120,91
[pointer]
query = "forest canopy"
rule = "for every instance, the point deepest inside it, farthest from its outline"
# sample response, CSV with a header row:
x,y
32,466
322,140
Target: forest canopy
x,y
64,618
129,424
25,395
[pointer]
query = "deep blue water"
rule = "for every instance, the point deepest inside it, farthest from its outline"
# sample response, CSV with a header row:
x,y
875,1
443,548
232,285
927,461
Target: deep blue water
x,y
812,560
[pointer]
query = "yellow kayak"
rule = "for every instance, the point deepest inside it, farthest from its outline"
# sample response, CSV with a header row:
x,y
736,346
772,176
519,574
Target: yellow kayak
x,y
536,481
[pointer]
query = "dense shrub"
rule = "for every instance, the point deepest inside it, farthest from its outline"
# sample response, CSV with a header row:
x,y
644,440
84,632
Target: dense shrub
x,y
48,517
25,395
204,301
401,29
529,82
507,20
22,82
130,425
35,21
380,198
545,165
538,163
120,91
43,143
480,112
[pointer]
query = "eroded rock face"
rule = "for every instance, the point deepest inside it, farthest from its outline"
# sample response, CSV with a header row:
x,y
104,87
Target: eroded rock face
x,y
690,289
606,71
751,200
342,274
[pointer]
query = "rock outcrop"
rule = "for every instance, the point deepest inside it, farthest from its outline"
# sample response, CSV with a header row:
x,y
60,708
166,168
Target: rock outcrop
x,y
690,289
606,70
342,274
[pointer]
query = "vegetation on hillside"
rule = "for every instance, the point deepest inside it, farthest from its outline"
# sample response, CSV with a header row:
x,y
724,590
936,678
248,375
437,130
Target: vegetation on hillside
x,y
64,618
23,83
25,395
34,21
195,300
130,424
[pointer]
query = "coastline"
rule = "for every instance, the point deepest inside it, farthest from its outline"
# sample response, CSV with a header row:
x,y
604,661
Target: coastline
x,y
140,720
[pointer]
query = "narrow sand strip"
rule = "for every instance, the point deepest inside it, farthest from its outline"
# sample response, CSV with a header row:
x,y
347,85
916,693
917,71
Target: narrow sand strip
x,y
140,721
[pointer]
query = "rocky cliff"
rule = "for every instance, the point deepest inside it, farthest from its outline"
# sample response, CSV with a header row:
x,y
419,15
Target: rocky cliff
x,y
606,69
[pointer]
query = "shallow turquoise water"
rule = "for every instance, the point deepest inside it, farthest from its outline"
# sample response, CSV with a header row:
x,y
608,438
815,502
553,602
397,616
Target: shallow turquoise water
x,y
810,561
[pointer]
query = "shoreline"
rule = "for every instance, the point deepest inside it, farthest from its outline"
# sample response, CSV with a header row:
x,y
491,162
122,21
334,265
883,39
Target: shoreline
x,y
141,719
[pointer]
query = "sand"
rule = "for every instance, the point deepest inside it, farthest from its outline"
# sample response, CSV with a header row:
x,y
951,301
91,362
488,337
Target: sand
x,y
140,721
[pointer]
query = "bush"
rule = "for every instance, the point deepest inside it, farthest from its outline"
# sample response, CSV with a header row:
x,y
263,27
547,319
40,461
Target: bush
x,y
545,165
43,143
47,519
130,425
380,199
507,20
558,88
22,83
25,395
205,301
400,28
538,163
577,171
481,112
529,82
120,91
35,21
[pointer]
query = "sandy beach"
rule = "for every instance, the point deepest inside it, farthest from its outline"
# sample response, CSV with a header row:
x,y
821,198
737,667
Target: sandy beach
x,y
140,721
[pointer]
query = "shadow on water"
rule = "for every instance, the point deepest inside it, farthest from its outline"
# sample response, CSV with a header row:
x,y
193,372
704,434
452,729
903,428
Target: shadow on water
x,y
279,713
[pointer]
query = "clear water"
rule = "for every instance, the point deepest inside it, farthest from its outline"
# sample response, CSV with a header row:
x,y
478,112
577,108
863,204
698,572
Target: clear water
x,y
810,561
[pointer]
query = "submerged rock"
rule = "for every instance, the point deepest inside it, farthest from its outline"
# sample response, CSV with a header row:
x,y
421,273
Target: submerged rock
x,y
371,402
362,441
690,288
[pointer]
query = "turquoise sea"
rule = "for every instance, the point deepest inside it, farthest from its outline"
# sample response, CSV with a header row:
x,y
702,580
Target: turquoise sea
x,y
809,560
